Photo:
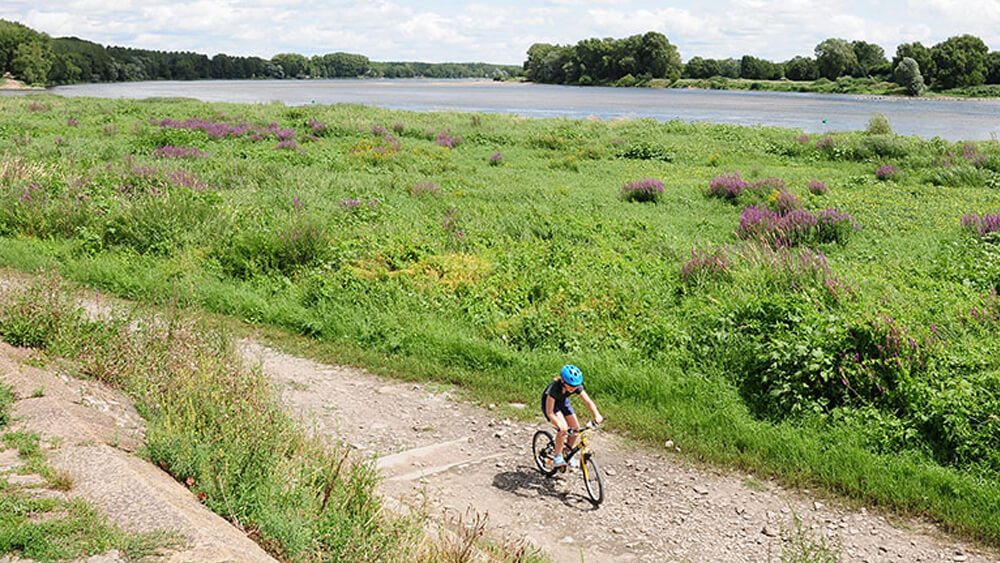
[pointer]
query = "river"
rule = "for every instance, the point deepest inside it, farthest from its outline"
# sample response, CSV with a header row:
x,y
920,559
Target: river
x,y
813,113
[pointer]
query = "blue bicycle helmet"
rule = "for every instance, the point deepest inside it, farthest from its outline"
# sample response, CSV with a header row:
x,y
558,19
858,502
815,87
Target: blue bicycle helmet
x,y
571,375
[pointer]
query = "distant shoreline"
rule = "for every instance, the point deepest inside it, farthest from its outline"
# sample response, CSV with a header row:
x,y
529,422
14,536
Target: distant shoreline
x,y
14,84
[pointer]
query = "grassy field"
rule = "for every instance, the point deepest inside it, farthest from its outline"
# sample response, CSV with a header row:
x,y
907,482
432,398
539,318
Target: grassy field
x,y
808,307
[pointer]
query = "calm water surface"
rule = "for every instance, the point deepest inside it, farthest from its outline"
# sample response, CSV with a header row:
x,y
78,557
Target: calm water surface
x,y
813,113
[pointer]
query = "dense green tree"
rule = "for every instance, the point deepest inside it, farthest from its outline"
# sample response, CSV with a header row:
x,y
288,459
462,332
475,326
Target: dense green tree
x,y
835,57
919,53
869,56
698,67
533,65
907,74
595,57
32,62
658,57
759,69
92,58
993,68
341,65
12,36
293,64
730,68
960,61
801,68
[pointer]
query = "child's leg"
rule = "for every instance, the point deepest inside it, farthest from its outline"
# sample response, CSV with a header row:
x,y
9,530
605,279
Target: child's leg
x,y
560,421
573,423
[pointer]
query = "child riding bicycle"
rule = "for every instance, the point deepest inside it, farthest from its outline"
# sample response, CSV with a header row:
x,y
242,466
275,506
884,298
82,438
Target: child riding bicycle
x,y
556,408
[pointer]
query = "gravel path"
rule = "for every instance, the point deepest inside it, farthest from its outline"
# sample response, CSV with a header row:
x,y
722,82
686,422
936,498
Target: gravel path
x,y
432,445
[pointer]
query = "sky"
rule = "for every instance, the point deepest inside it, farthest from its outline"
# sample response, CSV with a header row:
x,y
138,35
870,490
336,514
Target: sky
x,y
501,32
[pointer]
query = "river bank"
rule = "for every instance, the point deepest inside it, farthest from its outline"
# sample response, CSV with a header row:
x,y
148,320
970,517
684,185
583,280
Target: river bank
x,y
8,82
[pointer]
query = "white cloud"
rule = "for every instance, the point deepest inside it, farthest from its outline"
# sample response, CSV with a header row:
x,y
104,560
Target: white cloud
x,y
442,30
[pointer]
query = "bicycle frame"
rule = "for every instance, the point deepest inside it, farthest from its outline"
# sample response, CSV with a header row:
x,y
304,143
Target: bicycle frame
x,y
580,447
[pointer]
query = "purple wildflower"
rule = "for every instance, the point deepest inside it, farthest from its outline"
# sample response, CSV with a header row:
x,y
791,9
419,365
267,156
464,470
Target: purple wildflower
x,y
647,189
446,139
424,187
886,172
705,263
495,159
982,225
817,187
178,152
727,186
784,202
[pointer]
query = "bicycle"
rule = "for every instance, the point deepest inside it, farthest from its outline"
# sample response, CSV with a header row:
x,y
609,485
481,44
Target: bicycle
x,y
543,445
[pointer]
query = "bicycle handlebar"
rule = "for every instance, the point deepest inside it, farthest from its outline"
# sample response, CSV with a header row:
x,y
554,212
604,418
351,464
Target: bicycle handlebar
x,y
589,426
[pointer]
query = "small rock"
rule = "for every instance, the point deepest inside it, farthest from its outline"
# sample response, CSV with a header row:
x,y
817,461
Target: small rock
x,y
700,490
499,433
611,472
567,539
491,406
500,464
883,549
669,444
617,531
817,506
960,557
770,531
25,480
516,405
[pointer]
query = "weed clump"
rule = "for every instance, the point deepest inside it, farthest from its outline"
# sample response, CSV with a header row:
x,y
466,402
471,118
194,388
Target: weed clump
x,y
647,189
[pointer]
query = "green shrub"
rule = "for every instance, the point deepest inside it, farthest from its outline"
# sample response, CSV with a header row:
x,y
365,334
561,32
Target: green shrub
x,y
960,175
645,151
878,124
300,242
33,316
6,404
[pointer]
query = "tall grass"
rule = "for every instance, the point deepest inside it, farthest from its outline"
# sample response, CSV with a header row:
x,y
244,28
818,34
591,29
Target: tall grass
x,y
216,426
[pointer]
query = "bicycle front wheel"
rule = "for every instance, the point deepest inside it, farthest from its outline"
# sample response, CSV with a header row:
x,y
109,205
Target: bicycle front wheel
x,y
593,480
543,445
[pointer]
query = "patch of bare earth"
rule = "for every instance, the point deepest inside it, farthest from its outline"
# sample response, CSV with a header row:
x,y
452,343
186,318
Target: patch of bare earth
x,y
434,448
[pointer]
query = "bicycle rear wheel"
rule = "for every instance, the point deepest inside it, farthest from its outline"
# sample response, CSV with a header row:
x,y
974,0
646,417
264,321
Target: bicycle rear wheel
x,y
593,480
543,445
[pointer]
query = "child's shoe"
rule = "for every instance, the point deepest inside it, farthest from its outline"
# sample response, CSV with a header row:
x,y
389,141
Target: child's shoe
x,y
558,462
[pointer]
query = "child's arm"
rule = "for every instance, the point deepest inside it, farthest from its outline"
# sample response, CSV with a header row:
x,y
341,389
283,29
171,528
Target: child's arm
x,y
590,405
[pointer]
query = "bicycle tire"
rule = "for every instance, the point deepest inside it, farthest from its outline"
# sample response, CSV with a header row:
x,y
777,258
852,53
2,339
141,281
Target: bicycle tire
x,y
542,447
593,480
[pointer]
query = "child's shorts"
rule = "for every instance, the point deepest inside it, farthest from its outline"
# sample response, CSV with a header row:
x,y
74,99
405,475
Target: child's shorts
x,y
565,408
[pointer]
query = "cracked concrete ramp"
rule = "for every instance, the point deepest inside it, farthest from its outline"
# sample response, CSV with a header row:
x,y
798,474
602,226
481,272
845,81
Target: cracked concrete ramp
x,y
91,427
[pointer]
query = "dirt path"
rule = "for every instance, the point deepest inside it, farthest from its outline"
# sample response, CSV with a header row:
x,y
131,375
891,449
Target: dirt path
x,y
659,508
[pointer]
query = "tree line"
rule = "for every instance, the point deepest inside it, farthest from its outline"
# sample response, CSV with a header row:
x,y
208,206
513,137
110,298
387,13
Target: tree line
x,y
36,58
960,61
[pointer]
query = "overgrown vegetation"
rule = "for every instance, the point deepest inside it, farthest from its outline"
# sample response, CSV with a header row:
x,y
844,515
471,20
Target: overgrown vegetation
x,y
779,308
53,529
215,424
